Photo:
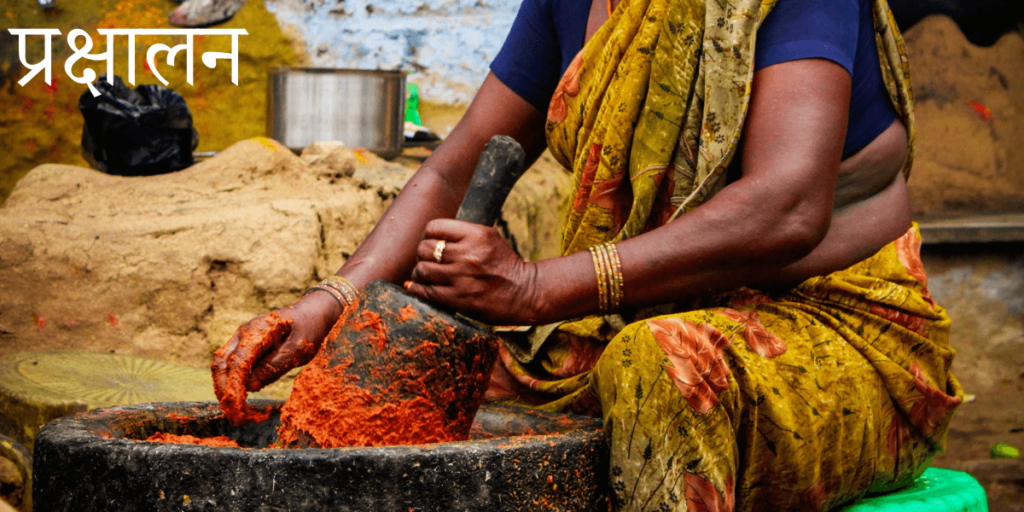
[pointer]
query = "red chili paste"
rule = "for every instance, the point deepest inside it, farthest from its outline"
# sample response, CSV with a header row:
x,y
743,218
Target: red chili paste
x,y
412,395
219,441
379,337
407,313
328,407
239,366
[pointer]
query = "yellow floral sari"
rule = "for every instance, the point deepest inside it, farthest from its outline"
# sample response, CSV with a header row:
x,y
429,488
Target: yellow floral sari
x,y
800,400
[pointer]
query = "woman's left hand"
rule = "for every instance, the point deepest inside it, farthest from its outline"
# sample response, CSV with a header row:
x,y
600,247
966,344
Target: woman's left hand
x,y
479,275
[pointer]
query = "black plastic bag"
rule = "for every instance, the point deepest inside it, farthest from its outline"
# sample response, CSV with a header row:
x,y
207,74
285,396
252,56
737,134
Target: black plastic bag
x,y
138,132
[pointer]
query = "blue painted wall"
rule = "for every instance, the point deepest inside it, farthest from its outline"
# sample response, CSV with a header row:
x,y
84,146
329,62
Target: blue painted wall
x,y
446,44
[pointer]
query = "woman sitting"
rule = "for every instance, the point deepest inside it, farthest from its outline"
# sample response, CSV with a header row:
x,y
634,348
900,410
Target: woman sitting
x,y
740,293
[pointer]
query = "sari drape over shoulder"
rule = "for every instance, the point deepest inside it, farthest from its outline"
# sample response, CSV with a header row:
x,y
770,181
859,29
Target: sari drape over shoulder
x,y
802,399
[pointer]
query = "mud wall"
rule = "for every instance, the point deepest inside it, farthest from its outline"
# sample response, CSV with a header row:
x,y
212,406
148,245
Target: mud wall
x,y
447,45
41,124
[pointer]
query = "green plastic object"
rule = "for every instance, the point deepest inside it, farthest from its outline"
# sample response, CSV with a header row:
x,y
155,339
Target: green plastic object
x,y
412,104
937,490
1005,451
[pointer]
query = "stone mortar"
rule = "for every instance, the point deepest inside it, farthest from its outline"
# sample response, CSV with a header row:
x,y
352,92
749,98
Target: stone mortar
x,y
519,460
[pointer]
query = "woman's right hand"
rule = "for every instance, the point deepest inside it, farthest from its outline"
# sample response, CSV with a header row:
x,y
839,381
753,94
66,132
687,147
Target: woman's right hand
x,y
266,353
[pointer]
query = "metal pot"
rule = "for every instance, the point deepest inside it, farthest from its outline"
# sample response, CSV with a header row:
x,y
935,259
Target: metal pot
x,y
360,108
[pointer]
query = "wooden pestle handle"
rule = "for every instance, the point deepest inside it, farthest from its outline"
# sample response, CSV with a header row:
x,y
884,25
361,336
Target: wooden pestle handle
x,y
499,168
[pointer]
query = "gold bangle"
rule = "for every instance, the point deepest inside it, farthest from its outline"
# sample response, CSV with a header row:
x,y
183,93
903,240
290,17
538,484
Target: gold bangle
x,y
606,267
610,283
330,291
602,284
603,258
602,303
618,281
340,288
347,289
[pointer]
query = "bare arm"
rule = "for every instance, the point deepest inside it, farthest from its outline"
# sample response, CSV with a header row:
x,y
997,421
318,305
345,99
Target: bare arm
x,y
775,215
858,231
437,188
389,253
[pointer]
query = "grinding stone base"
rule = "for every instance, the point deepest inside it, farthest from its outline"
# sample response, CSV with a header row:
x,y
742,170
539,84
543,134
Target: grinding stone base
x,y
520,460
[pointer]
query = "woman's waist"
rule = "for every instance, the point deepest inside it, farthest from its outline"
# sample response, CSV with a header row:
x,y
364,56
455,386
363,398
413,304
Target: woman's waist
x,y
869,171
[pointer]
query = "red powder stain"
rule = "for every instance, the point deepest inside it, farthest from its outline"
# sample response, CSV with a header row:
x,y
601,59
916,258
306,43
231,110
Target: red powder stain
x,y
111,319
407,313
38,320
31,146
564,420
229,383
219,441
982,110
70,322
51,87
379,335
48,113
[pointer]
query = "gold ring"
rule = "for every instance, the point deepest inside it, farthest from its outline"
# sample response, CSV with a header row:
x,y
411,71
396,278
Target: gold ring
x,y
439,250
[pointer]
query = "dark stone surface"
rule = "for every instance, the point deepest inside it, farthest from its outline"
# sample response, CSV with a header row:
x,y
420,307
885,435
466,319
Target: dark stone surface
x,y
519,460
436,355
465,351
499,168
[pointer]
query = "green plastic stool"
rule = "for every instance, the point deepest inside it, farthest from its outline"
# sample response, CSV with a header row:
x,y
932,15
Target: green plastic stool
x,y
936,490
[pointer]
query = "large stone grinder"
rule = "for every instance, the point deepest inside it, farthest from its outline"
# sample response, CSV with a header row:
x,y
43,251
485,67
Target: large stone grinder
x,y
396,369
391,351
517,460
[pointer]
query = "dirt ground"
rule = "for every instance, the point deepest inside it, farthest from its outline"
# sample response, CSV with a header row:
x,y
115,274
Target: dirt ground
x,y
982,288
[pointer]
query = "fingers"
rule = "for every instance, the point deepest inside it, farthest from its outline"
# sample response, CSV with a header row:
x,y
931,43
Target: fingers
x,y
433,293
255,342
452,252
449,229
280,361
221,356
233,364
428,272
425,250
